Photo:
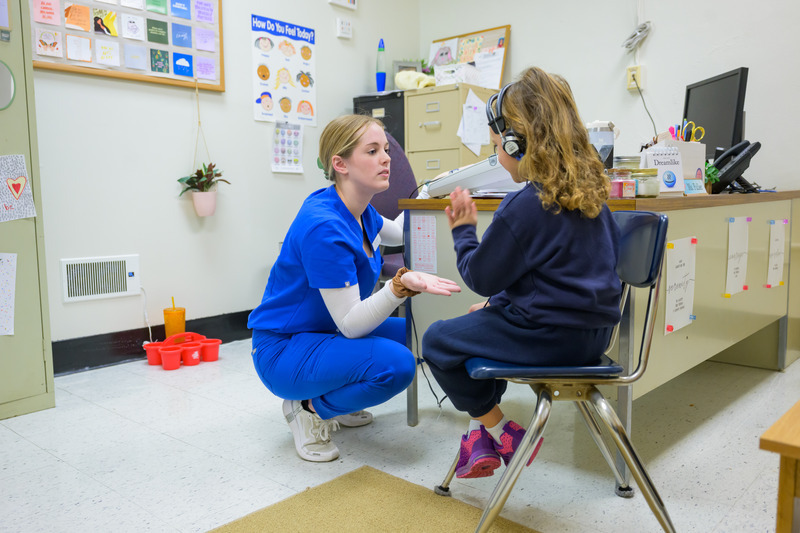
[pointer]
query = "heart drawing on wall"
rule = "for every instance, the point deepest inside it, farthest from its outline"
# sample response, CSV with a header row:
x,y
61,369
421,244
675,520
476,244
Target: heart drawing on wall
x,y
17,185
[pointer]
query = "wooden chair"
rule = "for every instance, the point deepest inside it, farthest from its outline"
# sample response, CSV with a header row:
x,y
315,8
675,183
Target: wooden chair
x,y
642,245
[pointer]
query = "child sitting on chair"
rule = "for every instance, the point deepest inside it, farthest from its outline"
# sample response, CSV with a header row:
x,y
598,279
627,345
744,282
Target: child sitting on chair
x,y
547,263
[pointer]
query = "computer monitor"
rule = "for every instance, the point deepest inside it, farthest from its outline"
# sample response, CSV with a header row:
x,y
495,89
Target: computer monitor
x,y
717,105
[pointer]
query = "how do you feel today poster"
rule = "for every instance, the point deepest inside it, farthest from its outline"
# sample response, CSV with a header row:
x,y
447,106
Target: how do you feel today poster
x,y
283,72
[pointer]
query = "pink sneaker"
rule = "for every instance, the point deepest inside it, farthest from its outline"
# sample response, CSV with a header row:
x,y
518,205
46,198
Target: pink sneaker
x,y
511,437
478,457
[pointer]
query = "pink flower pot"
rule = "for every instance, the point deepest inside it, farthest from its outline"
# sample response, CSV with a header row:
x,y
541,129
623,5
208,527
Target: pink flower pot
x,y
205,203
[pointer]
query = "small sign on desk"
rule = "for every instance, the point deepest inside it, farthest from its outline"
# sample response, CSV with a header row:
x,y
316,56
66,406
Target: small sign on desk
x,y
694,187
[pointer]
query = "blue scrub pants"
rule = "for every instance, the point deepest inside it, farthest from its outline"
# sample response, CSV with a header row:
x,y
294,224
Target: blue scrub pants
x,y
339,375
499,333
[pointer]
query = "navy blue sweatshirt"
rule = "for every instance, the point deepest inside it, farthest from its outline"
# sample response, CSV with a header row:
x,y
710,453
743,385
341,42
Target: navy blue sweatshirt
x,y
554,269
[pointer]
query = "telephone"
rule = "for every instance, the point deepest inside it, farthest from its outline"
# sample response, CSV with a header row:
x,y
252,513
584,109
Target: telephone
x,y
731,164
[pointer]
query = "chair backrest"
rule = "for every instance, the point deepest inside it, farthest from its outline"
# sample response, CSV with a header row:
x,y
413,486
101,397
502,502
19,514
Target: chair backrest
x,y
643,235
402,183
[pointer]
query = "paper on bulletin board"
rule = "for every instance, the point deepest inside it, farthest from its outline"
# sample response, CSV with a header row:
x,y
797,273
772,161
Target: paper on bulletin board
x,y
16,199
472,128
777,252
735,279
423,243
283,72
680,271
287,148
8,277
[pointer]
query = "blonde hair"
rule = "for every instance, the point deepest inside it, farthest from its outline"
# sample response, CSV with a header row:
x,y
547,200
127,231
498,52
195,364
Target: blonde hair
x,y
558,157
340,137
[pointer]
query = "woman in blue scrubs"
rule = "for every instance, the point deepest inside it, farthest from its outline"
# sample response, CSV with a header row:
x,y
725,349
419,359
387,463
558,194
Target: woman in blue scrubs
x,y
322,340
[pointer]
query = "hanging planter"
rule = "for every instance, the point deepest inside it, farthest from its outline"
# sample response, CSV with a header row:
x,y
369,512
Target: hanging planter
x,y
205,203
201,183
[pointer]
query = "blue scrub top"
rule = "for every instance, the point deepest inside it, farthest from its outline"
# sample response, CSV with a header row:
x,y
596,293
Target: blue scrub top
x,y
323,250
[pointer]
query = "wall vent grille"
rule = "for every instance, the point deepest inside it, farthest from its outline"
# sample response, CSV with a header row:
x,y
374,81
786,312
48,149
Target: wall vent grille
x,y
93,278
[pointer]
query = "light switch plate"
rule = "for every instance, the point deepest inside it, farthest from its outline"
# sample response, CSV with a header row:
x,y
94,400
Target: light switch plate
x,y
344,28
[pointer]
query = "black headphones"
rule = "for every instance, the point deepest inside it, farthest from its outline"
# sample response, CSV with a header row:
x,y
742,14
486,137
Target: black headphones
x,y
512,143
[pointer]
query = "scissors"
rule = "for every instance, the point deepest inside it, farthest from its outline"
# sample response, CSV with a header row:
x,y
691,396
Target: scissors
x,y
692,132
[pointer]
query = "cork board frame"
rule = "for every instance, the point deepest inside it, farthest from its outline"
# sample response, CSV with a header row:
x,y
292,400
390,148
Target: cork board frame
x,y
183,46
481,41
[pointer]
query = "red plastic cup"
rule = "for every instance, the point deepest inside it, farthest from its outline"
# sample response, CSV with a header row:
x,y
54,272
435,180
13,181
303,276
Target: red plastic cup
x,y
153,353
191,353
209,349
171,357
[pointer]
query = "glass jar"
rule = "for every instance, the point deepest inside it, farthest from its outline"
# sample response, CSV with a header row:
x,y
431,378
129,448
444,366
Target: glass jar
x,y
625,161
622,185
647,185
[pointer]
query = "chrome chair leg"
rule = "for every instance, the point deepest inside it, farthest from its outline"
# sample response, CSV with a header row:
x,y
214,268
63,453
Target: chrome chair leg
x,y
597,435
521,456
444,488
623,443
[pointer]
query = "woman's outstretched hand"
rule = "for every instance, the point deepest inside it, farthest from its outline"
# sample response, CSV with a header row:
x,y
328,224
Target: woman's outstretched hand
x,y
424,282
462,209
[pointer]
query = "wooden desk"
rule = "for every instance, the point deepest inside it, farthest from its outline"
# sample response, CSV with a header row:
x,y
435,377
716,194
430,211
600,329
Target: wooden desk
x,y
784,438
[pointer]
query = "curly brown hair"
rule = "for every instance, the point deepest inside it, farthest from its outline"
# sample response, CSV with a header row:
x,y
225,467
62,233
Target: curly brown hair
x,y
558,158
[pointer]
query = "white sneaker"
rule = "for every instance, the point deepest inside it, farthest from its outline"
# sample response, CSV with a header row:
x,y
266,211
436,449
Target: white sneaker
x,y
354,420
312,435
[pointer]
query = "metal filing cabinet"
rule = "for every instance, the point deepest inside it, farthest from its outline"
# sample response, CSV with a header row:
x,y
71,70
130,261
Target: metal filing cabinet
x,y
431,125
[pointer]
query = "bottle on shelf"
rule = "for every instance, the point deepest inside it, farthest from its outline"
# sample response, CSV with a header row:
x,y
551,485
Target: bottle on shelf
x,y
380,68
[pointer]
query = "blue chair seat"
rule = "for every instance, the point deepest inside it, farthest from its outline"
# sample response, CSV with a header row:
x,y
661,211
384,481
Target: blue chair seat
x,y
480,368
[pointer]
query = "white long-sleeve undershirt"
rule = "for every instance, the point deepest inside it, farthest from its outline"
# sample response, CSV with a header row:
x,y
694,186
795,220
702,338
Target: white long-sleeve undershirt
x,y
355,317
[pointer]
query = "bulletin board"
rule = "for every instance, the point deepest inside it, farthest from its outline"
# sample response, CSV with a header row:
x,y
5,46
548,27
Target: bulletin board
x,y
469,44
172,42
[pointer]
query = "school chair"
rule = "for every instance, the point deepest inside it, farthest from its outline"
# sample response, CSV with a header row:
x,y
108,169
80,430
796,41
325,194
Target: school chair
x,y
642,244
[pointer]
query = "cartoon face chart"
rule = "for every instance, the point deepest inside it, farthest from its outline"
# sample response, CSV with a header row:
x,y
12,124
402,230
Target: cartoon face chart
x,y
304,78
287,48
283,67
304,108
264,44
283,78
265,100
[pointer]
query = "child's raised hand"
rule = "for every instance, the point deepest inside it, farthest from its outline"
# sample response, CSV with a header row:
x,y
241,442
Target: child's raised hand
x,y
462,209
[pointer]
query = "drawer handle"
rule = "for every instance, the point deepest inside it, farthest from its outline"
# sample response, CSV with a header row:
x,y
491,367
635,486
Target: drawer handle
x,y
432,107
431,123
429,164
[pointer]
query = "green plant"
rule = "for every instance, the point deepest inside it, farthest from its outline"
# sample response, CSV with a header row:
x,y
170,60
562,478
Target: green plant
x,y
202,180
712,173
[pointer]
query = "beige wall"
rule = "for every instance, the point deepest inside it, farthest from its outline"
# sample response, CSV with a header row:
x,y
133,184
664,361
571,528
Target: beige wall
x,y
111,189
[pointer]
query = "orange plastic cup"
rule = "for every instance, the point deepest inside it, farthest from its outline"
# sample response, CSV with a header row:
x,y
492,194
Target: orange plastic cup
x,y
153,353
190,353
171,357
209,349
174,320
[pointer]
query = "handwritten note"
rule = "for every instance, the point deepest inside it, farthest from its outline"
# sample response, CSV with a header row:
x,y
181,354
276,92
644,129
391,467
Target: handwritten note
x,y
8,277
735,280
423,243
680,275
777,252
47,11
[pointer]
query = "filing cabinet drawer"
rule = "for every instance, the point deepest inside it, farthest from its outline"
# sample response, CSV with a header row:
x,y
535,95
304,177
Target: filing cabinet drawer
x,y
432,120
430,163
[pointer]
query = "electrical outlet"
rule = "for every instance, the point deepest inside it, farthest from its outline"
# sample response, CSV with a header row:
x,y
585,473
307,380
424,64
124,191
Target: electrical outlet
x,y
344,28
637,73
